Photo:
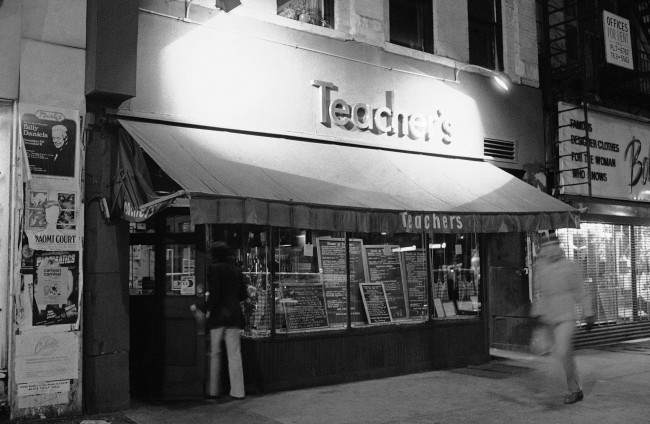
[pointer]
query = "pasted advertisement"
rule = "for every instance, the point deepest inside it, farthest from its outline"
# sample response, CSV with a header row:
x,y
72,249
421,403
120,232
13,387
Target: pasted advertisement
x,y
619,159
52,217
47,356
55,288
51,137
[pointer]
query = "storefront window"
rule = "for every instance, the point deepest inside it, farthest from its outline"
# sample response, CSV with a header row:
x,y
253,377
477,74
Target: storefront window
x,y
455,275
141,227
388,278
180,269
142,260
605,253
178,224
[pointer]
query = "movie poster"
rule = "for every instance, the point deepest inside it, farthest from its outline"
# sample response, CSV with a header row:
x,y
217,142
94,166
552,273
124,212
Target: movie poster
x,y
50,137
51,219
56,288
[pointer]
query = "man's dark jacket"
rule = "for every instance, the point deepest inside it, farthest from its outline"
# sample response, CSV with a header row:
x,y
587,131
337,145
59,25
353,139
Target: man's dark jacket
x,y
227,288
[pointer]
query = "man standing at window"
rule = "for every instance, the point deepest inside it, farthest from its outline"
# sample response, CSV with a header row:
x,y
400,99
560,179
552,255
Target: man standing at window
x,y
224,318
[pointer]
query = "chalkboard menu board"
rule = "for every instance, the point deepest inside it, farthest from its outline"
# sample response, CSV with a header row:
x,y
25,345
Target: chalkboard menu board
x,y
415,274
375,303
304,306
331,262
383,266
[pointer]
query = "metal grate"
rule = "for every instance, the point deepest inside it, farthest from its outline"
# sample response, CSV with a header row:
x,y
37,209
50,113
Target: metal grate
x,y
500,150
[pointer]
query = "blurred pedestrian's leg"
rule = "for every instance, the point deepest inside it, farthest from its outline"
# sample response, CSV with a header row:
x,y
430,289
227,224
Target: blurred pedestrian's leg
x,y
236,373
216,335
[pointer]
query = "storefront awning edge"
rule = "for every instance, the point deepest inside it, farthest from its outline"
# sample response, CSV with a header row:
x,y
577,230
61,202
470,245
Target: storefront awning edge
x,y
211,209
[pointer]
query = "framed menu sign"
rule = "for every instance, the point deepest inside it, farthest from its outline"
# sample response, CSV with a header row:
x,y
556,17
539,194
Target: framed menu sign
x,y
331,264
414,267
375,303
383,266
304,306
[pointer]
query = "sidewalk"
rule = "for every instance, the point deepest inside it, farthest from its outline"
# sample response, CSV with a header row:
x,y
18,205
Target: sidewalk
x,y
512,388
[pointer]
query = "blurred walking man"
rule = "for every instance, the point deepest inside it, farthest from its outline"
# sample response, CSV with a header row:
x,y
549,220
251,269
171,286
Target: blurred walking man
x,y
559,287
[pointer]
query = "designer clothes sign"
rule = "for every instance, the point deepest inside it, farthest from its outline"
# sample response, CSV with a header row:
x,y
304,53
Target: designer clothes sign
x,y
619,155
51,137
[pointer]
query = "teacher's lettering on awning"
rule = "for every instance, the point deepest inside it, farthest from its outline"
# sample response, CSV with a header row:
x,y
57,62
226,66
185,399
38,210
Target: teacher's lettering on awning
x,y
431,221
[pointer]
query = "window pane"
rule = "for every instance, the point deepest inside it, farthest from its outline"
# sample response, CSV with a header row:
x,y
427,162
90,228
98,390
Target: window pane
x,y
142,265
411,24
307,299
178,224
179,269
483,33
317,12
455,275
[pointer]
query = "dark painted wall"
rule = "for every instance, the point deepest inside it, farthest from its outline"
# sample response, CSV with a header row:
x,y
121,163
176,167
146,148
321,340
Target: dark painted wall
x,y
111,50
311,360
106,301
509,303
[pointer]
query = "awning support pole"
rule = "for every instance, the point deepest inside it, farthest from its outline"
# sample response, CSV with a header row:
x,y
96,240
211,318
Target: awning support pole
x,y
427,258
347,280
271,284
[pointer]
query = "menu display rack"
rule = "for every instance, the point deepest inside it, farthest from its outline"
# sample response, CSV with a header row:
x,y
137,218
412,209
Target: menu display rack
x,y
383,265
375,303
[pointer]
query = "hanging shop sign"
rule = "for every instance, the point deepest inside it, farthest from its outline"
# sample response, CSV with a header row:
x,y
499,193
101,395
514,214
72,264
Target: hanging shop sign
x,y
618,42
619,155
51,139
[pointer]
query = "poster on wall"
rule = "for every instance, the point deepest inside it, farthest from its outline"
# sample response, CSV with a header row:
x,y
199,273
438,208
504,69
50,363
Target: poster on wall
x,y
51,139
619,154
55,288
50,356
51,217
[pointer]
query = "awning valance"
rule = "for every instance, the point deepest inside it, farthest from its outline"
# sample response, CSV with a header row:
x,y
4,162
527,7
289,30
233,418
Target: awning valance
x,y
238,177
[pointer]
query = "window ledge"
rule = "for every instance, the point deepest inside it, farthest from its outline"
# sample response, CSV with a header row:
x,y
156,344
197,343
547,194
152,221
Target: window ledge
x,y
420,55
304,26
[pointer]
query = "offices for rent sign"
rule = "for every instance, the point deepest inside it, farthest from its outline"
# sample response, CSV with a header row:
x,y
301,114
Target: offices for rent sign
x,y
619,154
618,44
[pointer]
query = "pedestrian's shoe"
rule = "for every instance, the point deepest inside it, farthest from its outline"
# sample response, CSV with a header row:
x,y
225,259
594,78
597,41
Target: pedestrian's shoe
x,y
573,397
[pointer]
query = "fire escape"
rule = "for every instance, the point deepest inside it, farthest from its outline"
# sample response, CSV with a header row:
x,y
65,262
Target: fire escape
x,y
577,80
574,70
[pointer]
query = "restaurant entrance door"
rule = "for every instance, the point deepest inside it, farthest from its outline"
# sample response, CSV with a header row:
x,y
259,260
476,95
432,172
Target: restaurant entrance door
x,y
167,357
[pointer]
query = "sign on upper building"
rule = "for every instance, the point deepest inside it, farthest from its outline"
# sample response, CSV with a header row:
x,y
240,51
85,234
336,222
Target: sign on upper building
x,y
618,43
618,159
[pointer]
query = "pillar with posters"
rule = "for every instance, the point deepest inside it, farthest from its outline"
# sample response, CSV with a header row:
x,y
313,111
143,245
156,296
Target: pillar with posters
x,y
47,293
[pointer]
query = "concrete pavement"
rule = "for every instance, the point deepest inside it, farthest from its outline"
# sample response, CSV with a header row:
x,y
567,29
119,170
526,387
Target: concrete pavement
x,y
512,388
